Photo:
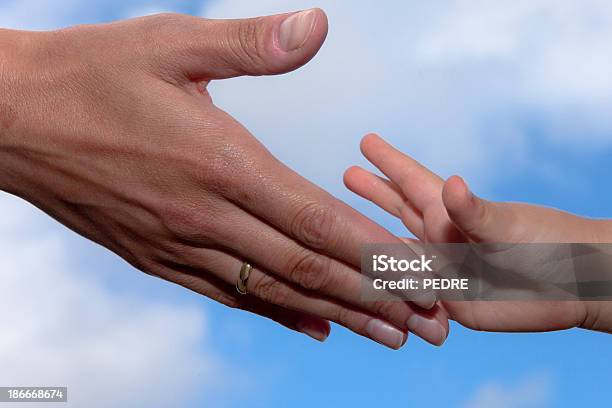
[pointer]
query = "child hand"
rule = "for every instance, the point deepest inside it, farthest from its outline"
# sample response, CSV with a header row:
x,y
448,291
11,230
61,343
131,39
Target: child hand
x,y
436,211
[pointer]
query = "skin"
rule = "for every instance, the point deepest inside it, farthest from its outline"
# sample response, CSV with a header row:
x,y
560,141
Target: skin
x,y
110,130
438,211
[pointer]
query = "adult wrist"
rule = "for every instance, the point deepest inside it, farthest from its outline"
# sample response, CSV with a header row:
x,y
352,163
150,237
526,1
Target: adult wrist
x,y
17,68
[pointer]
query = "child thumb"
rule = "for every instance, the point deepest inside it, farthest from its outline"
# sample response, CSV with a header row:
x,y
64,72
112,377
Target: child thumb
x,y
479,220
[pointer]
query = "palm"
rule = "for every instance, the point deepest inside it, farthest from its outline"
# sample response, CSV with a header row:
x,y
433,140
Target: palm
x,y
500,315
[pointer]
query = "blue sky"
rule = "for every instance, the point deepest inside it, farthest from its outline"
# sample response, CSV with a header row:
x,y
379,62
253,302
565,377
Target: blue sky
x,y
513,96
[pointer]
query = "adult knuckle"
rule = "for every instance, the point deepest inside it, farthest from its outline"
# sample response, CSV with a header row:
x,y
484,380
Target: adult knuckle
x,y
223,169
167,57
214,175
314,224
387,309
163,21
225,299
187,221
161,25
341,316
245,44
228,300
311,271
218,295
142,263
271,290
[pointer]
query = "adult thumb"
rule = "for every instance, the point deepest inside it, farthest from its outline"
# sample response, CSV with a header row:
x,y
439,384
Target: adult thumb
x,y
479,220
218,49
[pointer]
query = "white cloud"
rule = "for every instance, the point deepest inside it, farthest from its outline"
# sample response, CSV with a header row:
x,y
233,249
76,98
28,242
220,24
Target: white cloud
x,y
530,392
455,83
61,326
553,58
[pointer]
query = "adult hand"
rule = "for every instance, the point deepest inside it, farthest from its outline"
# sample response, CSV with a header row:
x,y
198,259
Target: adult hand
x,y
110,129
436,211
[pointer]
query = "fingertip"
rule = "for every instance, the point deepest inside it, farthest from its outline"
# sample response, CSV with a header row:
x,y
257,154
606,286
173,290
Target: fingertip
x,y
367,141
348,176
446,327
320,28
406,335
300,35
430,330
457,180
360,181
351,175
455,193
268,45
326,327
316,328
319,33
352,170
385,333
322,22
371,135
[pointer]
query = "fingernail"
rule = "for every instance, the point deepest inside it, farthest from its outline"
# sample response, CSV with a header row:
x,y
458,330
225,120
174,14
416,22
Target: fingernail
x,y
429,329
426,300
296,29
386,334
312,330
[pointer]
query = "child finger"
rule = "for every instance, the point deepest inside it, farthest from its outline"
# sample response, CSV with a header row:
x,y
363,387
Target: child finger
x,y
418,184
386,195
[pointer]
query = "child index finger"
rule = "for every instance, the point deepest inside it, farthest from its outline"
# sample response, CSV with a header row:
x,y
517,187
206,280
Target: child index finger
x,y
419,185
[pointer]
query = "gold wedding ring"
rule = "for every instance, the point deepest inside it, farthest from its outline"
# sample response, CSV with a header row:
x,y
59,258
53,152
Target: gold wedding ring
x,y
241,283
